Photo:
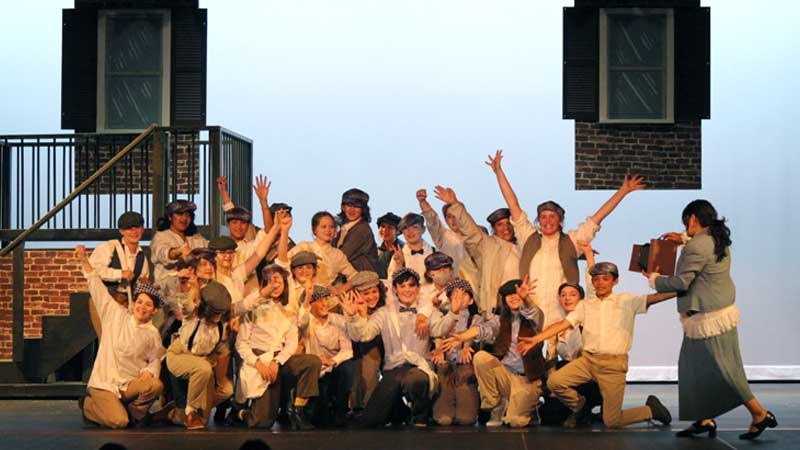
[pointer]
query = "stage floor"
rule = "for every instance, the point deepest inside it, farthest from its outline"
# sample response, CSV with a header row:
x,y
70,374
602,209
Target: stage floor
x,y
56,424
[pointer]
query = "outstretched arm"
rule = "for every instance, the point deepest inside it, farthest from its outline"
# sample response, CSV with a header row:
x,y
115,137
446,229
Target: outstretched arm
x,y
653,299
262,191
505,187
629,184
264,245
527,343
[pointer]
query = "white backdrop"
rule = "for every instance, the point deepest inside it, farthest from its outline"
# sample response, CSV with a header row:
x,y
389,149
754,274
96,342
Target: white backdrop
x,y
393,97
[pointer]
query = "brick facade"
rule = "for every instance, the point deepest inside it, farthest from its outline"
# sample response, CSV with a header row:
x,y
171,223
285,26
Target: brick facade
x,y
50,277
91,154
668,156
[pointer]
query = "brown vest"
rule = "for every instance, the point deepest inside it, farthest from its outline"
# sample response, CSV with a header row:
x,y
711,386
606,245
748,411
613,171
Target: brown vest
x,y
533,361
566,253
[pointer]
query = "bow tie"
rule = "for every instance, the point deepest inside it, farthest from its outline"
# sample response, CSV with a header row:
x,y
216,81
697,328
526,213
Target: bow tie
x,y
417,252
410,309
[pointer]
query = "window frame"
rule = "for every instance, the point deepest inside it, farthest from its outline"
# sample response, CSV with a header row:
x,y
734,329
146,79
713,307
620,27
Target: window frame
x,y
166,66
669,75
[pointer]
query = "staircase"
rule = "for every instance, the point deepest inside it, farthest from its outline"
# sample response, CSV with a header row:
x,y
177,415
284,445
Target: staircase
x,y
56,190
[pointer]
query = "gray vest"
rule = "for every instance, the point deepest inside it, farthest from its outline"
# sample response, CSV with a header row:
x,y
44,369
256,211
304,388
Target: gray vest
x,y
566,253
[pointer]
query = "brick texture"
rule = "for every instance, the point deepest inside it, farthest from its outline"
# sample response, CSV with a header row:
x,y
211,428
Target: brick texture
x,y
50,277
92,153
668,156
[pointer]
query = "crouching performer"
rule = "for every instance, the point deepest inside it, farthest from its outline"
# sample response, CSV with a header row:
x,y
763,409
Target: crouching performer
x,y
124,381
267,342
407,372
505,374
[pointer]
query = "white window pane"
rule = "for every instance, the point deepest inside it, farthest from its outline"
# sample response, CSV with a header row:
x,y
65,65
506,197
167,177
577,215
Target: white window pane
x,y
636,95
133,102
636,40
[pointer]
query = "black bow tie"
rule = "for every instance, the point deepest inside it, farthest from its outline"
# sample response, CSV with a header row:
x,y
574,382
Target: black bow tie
x,y
410,309
417,252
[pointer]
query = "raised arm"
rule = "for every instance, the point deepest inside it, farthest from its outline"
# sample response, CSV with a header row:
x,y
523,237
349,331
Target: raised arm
x,y
283,241
264,244
474,237
261,189
505,187
629,184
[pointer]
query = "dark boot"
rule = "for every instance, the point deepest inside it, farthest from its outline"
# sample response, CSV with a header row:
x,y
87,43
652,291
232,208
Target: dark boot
x,y
299,419
221,412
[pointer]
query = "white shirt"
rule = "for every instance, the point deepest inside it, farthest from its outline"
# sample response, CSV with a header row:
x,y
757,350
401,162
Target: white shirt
x,y
102,255
416,262
332,261
160,246
127,349
269,329
546,266
324,338
608,323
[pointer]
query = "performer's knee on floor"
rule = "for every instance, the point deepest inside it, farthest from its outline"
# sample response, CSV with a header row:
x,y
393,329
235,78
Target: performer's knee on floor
x,y
117,422
517,421
612,420
444,421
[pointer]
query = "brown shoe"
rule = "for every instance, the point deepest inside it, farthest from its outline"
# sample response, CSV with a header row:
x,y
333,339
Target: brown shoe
x,y
193,421
163,415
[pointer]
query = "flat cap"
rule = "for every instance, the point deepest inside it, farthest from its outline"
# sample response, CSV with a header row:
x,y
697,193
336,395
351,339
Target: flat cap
x,y
355,197
303,258
509,287
180,206
498,214
318,293
216,297
364,280
410,219
604,268
551,206
222,243
130,219
389,218
275,207
238,213
404,273
149,289
437,260
459,283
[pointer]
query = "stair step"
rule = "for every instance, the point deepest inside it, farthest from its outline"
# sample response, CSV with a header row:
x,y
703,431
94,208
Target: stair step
x,y
62,390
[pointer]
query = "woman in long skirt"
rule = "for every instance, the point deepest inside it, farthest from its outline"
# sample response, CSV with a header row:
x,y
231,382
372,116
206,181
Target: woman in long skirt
x,y
711,378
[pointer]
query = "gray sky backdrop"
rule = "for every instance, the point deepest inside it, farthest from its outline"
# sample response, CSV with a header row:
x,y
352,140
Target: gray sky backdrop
x,y
391,97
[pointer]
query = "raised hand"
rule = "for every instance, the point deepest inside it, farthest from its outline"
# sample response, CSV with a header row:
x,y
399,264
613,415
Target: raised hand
x,y
459,300
465,355
285,221
451,342
495,163
446,195
673,236
422,195
588,251
399,258
422,328
261,188
80,252
632,183
525,344
349,300
525,288
222,183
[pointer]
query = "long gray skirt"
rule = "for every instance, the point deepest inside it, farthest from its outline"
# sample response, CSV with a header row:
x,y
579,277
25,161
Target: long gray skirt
x,y
711,378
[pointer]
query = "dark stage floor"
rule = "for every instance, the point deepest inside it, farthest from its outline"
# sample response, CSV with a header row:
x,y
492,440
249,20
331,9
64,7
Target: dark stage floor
x,y
43,424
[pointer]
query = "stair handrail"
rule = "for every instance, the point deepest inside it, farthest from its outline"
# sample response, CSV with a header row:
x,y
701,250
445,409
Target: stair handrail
x,y
78,190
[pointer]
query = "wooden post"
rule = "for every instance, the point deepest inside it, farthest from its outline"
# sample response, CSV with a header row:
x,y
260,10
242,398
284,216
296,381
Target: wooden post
x,y
213,200
157,159
18,303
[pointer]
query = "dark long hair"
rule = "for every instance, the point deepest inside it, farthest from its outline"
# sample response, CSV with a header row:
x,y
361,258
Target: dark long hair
x,y
266,274
707,217
165,222
366,216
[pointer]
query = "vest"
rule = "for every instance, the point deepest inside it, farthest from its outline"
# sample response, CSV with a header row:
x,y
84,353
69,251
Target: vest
x,y
566,253
533,361
113,286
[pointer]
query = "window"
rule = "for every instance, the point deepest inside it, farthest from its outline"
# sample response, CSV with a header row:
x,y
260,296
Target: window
x,y
636,65
133,71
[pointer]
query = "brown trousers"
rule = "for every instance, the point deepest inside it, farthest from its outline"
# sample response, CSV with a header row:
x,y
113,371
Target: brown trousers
x,y
301,371
497,382
457,403
609,372
365,378
105,409
205,389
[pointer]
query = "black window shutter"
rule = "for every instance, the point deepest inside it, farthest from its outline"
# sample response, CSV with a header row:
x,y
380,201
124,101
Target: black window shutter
x,y
692,64
79,70
189,43
581,64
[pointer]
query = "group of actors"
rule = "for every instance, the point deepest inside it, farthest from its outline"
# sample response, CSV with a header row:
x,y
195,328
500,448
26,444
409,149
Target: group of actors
x,y
481,326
